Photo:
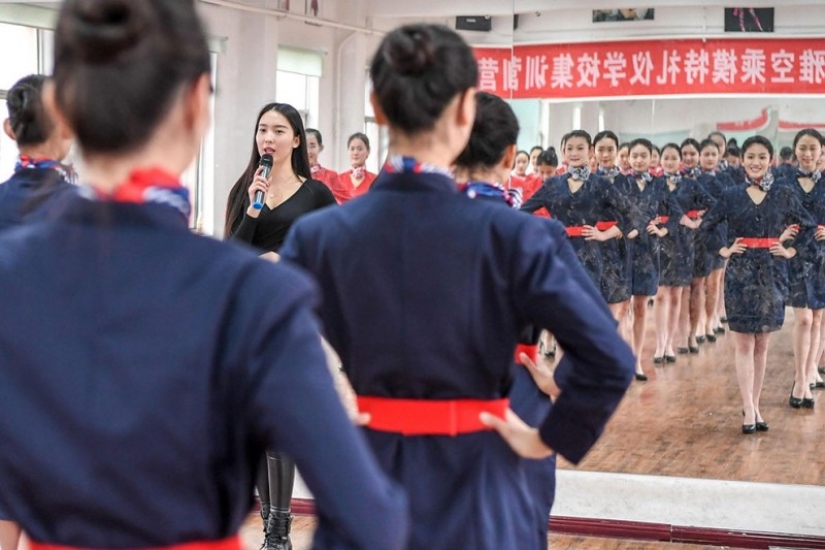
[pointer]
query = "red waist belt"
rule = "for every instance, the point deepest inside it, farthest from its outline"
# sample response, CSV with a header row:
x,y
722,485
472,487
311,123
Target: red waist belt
x,y
577,230
531,351
661,220
759,242
231,543
693,214
429,417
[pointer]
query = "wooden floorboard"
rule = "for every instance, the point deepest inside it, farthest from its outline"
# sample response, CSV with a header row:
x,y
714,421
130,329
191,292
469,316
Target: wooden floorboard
x,y
686,421
303,527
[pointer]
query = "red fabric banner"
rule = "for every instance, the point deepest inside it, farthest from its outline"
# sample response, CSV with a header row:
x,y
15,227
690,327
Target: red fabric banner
x,y
654,67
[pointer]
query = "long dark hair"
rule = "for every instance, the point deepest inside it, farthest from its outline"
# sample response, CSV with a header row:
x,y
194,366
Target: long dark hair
x,y
238,200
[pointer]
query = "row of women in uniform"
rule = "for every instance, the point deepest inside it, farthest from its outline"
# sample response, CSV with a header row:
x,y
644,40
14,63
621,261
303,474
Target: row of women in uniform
x,y
146,370
673,236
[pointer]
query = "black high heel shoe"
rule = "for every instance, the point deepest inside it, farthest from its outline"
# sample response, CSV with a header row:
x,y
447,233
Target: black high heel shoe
x,y
748,428
795,402
641,377
808,403
670,358
719,330
682,351
761,426
711,338
700,339
658,360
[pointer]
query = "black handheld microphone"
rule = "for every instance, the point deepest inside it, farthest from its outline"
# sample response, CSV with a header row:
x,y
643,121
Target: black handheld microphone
x,y
266,162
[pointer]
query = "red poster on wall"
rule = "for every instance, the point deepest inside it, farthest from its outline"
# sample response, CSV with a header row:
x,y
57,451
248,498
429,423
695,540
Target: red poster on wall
x,y
652,68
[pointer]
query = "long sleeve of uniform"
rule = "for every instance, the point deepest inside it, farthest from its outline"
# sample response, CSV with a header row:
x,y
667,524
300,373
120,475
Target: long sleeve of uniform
x,y
713,217
292,403
537,201
613,200
601,364
796,214
672,209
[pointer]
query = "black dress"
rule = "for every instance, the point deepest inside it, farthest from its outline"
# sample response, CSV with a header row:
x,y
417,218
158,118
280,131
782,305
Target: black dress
x,y
268,231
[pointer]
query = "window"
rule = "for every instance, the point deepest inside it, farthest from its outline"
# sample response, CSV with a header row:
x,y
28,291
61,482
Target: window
x,y
19,56
199,178
298,82
378,136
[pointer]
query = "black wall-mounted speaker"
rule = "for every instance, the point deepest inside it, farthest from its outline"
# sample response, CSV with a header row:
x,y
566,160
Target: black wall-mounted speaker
x,y
482,23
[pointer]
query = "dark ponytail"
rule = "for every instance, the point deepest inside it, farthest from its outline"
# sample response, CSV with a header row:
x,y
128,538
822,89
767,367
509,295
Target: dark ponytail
x,y
28,119
416,72
119,64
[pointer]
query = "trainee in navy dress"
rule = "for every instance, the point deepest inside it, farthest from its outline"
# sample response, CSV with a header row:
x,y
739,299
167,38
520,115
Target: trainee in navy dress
x,y
756,282
33,192
146,369
654,202
597,200
425,294
678,247
806,270
616,271
715,183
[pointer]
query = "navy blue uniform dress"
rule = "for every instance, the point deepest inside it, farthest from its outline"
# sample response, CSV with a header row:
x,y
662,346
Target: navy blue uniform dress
x,y
33,192
615,257
425,294
806,270
756,282
653,200
597,200
678,247
533,406
715,183
144,370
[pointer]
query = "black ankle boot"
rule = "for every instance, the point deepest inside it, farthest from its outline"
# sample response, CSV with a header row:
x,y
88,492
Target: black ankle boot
x,y
276,530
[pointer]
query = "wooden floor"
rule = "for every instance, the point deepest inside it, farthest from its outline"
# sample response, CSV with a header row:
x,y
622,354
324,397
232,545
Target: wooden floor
x,y
302,528
686,421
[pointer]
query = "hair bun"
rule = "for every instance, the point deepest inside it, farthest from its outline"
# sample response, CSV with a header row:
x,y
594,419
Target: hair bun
x,y
104,29
410,53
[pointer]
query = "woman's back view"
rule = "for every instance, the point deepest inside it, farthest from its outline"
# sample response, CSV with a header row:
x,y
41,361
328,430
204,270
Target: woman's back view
x,y
142,374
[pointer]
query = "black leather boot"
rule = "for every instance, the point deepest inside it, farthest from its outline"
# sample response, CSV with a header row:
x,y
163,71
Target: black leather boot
x,y
276,530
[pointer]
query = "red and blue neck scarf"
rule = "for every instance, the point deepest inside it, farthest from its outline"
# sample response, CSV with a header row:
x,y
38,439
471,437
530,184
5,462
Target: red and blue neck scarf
x,y
398,164
25,162
815,175
152,186
512,197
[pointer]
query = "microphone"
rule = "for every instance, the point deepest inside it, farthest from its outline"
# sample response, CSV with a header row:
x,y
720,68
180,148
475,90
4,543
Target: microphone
x,y
266,163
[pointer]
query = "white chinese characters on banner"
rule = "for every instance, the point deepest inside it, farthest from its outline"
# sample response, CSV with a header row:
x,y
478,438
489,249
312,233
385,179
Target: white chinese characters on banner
x,y
642,67
536,67
488,69
588,68
812,66
562,75
512,70
724,66
782,63
614,68
648,67
697,66
753,66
